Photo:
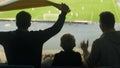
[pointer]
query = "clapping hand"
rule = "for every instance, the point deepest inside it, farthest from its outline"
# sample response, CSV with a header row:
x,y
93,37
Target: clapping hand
x,y
84,45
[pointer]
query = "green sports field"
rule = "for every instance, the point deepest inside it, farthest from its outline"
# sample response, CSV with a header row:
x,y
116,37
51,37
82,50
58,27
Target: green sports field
x,y
85,10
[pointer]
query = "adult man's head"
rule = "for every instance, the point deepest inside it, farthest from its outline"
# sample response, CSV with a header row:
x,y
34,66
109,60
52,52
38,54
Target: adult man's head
x,y
107,21
23,20
67,42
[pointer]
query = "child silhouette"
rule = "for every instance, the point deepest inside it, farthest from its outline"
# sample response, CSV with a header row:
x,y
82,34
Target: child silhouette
x,y
67,57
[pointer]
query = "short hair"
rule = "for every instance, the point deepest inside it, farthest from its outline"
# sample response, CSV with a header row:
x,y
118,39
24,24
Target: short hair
x,y
23,19
107,19
67,42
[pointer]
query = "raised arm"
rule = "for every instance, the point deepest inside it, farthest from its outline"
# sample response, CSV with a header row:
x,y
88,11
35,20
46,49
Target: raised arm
x,y
61,20
84,47
59,23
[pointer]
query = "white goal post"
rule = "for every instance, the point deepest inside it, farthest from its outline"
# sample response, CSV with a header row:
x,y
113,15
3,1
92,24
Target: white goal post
x,y
50,16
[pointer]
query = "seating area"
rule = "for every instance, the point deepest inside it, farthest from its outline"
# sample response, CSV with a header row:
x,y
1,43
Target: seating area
x,y
15,66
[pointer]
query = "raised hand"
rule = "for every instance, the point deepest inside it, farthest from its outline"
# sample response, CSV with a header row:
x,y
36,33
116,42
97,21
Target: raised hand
x,y
84,46
62,7
65,8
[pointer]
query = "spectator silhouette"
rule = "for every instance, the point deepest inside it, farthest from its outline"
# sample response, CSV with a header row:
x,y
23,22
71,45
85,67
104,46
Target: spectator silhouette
x,y
68,57
106,49
23,47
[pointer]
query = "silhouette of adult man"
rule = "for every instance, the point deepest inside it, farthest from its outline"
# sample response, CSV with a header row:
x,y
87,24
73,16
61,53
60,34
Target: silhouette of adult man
x,y
67,57
106,49
23,47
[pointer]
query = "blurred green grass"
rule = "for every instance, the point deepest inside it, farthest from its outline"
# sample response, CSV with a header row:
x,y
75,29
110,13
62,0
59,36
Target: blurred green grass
x,y
87,10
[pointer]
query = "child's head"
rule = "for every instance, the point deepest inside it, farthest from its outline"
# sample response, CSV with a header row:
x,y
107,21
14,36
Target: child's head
x,y
67,42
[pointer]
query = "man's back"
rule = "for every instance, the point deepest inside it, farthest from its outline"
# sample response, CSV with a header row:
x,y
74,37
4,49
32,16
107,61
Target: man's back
x,y
106,50
23,47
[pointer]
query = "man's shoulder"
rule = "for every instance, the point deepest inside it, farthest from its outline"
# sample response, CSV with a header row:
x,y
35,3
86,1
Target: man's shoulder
x,y
6,32
99,42
118,32
39,31
106,38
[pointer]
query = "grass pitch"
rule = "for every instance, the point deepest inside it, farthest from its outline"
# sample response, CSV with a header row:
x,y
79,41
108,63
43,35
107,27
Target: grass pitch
x,y
85,10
